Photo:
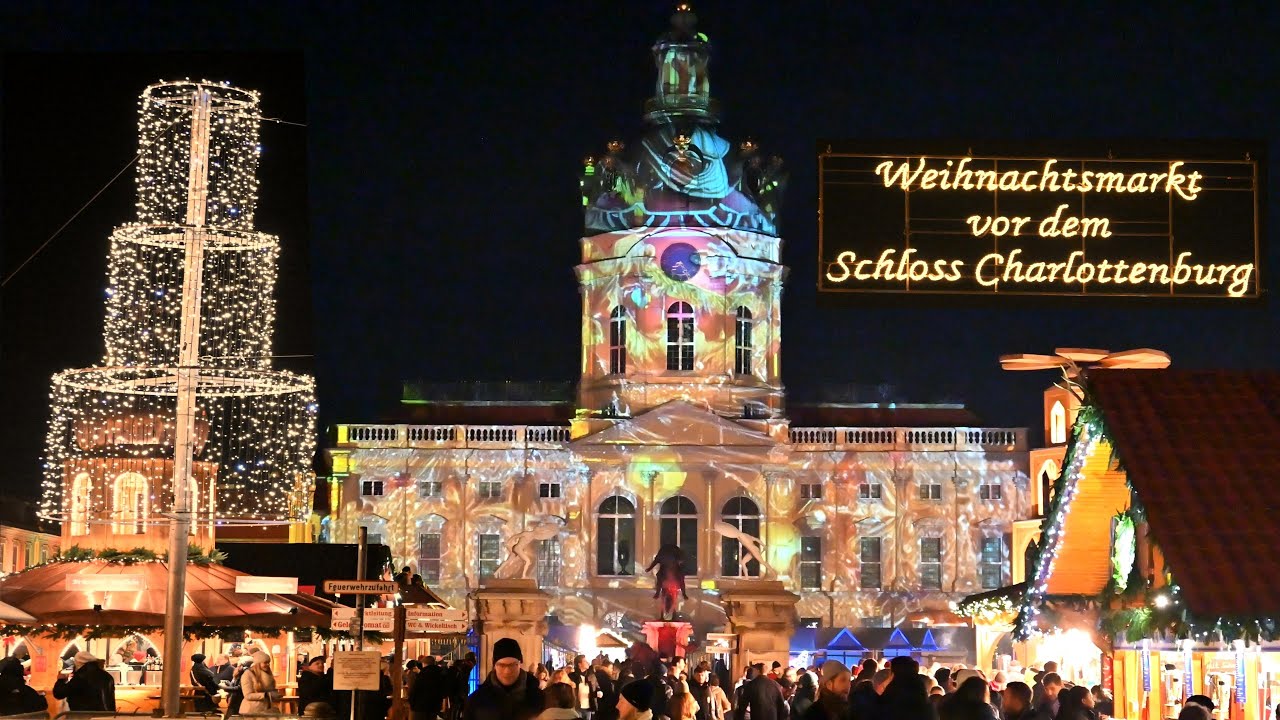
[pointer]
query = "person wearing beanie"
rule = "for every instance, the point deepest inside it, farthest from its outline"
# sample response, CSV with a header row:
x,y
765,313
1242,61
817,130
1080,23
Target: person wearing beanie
x,y
90,687
508,693
833,693
258,686
202,677
635,700
762,697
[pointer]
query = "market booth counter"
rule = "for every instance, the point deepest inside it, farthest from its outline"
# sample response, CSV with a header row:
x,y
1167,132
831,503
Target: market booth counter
x,y
114,609
1159,537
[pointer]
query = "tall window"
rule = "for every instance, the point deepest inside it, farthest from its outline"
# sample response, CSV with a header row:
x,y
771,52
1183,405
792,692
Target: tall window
x,y
931,563
132,504
680,337
678,525
81,493
618,341
811,562
430,488
371,488
429,556
615,536
742,343
870,491
548,566
811,491
743,514
488,550
1057,423
549,488
869,563
991,562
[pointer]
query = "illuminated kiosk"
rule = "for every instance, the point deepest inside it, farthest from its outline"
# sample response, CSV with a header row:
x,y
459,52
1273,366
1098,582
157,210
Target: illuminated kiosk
x,y
185,424
1169,481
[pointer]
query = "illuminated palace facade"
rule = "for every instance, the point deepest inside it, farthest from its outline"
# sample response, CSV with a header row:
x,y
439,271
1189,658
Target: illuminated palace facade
x,y
681,423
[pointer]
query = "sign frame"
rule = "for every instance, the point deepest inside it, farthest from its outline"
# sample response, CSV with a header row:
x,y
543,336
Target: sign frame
x,y
357,669
1237,152
361,587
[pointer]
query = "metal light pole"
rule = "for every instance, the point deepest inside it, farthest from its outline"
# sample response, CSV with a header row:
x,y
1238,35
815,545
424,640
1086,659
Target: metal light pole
x,y
188,381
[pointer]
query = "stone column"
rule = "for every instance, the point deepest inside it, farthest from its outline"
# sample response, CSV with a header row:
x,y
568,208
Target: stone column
x,y
514,609
762,613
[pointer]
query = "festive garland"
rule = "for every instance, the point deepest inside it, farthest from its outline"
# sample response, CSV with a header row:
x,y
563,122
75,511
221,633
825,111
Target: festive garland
x,y
198,631
988,610
195,555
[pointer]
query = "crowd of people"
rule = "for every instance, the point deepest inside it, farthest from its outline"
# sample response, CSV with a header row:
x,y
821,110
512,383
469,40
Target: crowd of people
x,y
645,687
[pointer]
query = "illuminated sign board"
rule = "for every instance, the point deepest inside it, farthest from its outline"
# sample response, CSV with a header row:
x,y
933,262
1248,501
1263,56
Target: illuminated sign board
x,y
102,582
922,219
261,584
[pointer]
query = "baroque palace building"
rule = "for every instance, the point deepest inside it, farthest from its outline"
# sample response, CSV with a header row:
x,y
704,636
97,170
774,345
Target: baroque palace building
x,y
875,515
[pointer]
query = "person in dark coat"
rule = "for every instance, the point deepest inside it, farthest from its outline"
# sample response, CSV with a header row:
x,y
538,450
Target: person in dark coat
x,y
700,688
428,693
583,675
1017,702
608,687
90,687
763,698
1076,703
315,689
16,696
202,677
970,701
509,693
904,697
833,695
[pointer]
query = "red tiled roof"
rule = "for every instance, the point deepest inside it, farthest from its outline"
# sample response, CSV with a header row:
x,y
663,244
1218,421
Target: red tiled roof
x,y
1202,451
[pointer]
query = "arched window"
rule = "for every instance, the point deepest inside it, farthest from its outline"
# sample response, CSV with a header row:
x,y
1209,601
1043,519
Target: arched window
x,y
742,343
1029,558
615,536
618,341
81,494
131,504
430,548
680,336
1057,424
744,515
678,525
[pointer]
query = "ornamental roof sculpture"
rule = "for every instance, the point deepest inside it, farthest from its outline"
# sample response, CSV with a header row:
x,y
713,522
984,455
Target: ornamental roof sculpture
x,y
684,174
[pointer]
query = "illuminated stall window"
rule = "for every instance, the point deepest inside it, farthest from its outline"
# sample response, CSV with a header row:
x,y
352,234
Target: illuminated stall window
x,y
870,491
615,536
743,514
371,488
930,491
991,563
132,504
680,337
811,491
489,489
742,343
1057,424
81,492
549,488
811,562
488,550
548,565
931,563
678,525
869,563
991,490
618,341
430,489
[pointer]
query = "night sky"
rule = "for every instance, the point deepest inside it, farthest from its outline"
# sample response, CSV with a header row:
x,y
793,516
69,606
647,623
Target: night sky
x,y
429,211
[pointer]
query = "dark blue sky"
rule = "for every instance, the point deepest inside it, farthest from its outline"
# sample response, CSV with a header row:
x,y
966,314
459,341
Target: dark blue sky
x,y
441,216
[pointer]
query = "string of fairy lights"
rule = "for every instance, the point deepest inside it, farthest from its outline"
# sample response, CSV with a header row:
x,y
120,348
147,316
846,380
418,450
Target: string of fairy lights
x,y
110,443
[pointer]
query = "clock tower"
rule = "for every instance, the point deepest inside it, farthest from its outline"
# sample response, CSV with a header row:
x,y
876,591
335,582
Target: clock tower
x,y
681,275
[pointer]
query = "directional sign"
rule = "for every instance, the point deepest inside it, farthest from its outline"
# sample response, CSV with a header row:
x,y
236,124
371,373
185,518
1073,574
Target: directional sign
x,y
341,618
379,620
436,620
360,587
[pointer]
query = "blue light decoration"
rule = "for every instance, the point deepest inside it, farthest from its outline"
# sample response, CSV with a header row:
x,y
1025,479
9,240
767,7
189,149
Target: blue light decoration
x,y
1240,673
1145,656
1187,680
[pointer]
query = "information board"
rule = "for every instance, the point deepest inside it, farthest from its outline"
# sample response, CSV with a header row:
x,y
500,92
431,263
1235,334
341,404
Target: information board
x,y
1175,221
356,669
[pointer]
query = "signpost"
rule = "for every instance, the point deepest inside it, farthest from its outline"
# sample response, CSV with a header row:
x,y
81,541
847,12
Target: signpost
x,y
1067,220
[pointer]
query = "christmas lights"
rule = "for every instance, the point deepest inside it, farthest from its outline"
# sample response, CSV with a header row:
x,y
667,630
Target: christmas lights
x,y
110,445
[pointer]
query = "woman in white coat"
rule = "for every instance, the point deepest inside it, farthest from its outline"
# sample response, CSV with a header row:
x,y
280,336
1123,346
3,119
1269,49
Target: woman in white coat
x,y
259,687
